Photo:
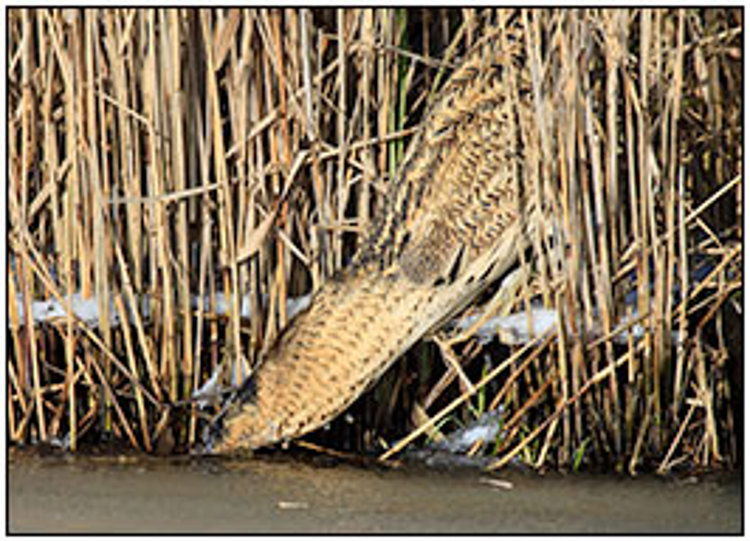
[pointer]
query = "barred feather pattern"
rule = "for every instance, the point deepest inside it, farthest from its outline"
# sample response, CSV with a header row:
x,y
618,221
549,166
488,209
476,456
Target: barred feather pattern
x,y
456,218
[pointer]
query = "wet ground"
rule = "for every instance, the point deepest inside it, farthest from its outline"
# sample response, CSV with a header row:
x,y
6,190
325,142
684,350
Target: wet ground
x,y
76,495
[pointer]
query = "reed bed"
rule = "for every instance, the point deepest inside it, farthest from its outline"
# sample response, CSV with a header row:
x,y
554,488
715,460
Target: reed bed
x,y
163,160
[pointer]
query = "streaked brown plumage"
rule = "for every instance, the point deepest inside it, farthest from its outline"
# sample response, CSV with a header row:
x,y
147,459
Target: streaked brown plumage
x,y
456,219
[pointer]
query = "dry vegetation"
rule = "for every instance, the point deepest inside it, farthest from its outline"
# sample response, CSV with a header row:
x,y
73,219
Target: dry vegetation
x,y
158,156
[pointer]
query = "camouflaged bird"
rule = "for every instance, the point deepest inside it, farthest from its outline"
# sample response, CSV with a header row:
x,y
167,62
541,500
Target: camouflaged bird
x,y
455,220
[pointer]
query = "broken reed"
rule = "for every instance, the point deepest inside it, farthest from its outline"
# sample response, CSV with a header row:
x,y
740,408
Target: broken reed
x,y
161,155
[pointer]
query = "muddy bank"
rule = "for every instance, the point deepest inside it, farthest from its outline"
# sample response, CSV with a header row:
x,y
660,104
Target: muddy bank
x,y
264,496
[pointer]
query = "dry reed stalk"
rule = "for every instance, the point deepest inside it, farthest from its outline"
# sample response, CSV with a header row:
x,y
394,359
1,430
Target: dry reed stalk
x,y
644,425
132,363
542,455
31,256
513,424
341,115
601,264
268,59
146,348
177,108
453,364
30,353
642,121
367,62
205,242
15,383
227,257
560,408
664,466
383,83
284,158
562,368
541,344
537,145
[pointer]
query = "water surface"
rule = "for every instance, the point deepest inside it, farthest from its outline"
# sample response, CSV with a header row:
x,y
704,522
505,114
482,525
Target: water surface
x,y
273,495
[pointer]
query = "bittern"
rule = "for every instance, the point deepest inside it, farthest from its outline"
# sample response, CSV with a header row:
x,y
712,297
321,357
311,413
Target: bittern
x,y
458,214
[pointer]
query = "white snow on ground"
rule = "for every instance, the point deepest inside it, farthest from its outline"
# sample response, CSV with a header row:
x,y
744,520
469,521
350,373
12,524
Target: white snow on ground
x,y
87,310
512,329
50,310
484,428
